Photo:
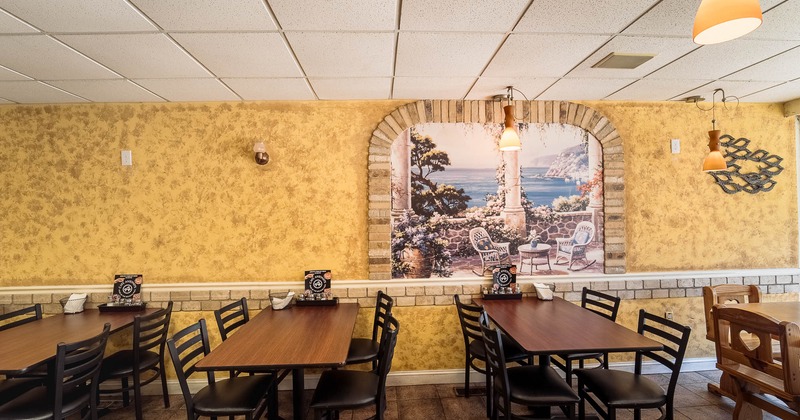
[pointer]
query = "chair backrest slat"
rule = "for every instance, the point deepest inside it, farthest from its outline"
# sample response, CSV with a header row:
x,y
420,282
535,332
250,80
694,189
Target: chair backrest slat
x,y
383,310
231,316
21,316
674,337
468,316
600,303
77,368
150,331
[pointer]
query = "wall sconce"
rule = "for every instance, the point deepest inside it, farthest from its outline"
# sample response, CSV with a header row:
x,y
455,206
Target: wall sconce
x,y
262,157
509,140
715,161
723,20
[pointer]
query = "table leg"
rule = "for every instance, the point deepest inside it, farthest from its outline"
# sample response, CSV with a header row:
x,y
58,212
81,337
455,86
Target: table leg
x,y
542,412
298,393
272,399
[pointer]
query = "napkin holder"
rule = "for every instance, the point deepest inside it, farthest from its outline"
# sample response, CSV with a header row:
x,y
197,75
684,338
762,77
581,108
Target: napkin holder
x,y
542,291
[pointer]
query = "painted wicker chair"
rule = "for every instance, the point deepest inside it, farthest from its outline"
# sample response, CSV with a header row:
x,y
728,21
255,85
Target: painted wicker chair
x,y
573,249
491,253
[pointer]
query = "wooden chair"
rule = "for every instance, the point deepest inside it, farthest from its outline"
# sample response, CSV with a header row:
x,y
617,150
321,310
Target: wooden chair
x,y
573,249
146,355
725,293
349,389
532,385
617,389
751,363
491,253
237,396
602,304
363,350
20,316
72,389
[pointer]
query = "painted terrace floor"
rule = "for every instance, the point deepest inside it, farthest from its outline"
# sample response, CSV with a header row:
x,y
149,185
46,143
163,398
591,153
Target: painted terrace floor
x,y
692,401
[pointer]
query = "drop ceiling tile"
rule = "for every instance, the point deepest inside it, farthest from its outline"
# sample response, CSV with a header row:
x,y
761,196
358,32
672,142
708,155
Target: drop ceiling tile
x,y
42,57
731,87
137,56
780,68
271,89
450,15
333,54
782,93
487,87
718,60
11,25
431,87
674,18
352,15
106,90
583,89
208,15
361,88
779,22
606,17
188,90
665,49
7,74
79,15
444,54
656,89
542,55
241,54
32,92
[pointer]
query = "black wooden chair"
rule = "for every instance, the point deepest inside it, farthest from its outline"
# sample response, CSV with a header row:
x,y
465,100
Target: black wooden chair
x,y
473,343
229,318
146,355
602,304
350,389
20,316
237,396
72,389
532,385
623,390
363,350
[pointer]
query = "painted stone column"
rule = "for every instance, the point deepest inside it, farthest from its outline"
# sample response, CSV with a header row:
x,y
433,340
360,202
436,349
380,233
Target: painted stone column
x,y
401,173
595,152
513,213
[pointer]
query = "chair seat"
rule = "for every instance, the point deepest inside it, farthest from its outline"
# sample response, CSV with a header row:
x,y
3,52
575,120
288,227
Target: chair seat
x,y
345,388
539,385
240,395
512,350
362,350
120,363
36,404
578,356
622,389
12,388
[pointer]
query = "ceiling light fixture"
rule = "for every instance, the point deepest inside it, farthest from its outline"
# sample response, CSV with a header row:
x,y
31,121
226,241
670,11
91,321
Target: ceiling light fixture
x,y
715,161
723,20
509,140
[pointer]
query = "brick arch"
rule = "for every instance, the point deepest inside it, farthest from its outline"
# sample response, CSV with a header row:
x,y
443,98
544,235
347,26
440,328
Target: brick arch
x,y
490,112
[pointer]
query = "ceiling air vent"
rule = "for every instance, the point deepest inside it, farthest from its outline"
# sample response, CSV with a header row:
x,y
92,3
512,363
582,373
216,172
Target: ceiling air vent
x,y
622,61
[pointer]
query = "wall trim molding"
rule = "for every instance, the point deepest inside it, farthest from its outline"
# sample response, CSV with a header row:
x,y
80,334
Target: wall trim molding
x,y
460,281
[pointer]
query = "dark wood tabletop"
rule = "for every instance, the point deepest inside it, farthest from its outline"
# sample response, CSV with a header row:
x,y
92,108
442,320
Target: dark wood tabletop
x,y
29,345
559,327
295,338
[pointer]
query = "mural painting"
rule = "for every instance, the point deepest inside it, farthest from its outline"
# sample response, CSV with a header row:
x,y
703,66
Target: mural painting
x,y
461,206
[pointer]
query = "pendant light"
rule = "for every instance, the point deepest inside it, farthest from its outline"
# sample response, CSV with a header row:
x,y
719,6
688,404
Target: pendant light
x,y
714,161
509,140
723,20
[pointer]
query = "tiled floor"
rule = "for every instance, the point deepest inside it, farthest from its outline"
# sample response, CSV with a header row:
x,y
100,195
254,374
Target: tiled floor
x,y
692,401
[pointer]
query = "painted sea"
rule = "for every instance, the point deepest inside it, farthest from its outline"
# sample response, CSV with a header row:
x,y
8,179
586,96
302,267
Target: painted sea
x,y
479,182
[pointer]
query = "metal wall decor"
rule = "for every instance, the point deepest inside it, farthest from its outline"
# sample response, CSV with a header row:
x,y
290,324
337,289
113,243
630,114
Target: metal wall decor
x,y
733,180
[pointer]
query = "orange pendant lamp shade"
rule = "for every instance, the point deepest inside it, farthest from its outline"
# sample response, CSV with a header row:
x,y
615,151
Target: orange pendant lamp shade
x,y
723,20
509,141
714,161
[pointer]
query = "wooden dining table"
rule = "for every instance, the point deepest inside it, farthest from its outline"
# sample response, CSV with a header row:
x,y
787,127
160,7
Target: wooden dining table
x,y
295,338
29,345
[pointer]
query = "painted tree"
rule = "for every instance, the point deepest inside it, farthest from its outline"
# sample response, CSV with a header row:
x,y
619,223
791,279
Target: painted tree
x,y
428,196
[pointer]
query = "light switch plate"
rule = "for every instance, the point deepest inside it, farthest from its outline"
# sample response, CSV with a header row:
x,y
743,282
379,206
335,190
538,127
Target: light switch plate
x,y
127,158
676,146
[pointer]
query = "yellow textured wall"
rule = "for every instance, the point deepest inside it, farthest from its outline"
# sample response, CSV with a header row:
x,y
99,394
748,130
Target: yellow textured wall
x,y
194,206
677,218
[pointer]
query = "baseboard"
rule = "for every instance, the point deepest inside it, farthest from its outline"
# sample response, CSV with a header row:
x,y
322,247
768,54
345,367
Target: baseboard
x,y
441,376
